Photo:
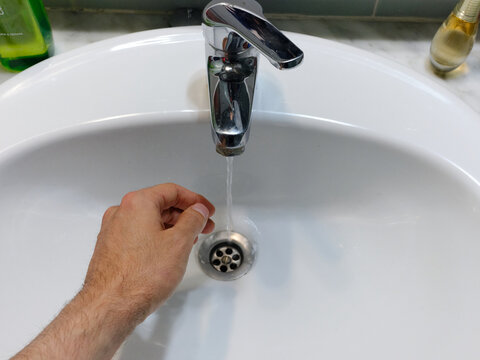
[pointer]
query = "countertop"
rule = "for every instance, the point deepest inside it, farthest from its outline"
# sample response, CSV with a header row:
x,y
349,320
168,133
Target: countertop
x,y
404,42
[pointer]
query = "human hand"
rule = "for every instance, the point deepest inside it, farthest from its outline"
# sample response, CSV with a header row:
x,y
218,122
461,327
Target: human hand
x,y
140,257
144,244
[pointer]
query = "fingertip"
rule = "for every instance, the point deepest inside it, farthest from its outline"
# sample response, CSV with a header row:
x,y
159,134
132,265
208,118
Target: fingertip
x,y
212,210
203,200
210,206
209,227
201,209
192,221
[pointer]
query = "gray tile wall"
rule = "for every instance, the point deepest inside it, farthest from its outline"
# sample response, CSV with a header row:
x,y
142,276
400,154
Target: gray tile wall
x,y
415,8
389,8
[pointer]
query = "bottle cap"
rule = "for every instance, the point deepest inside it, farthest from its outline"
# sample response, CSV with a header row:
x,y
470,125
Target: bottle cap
x,y
468,10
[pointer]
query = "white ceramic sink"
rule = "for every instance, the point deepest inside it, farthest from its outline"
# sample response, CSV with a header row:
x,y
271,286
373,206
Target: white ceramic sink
x,y
360,184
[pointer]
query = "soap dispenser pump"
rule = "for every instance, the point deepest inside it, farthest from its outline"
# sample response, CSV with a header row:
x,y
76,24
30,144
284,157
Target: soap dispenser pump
x,y
25,34
455,38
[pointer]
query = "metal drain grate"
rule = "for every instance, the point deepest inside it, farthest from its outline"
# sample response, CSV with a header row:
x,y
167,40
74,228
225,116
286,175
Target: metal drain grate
x,y
226,255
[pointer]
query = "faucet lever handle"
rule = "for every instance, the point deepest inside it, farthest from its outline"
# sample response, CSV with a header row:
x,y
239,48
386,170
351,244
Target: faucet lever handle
x,y
245,17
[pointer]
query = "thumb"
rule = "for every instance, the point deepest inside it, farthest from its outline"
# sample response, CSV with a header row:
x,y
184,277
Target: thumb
x,y
192,221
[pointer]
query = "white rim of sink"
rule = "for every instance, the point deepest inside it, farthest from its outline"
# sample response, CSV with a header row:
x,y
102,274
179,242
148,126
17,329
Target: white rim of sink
x,y
438,136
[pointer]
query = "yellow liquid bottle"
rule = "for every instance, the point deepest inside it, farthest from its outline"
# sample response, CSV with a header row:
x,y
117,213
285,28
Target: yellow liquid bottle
x,y
455,38
25,34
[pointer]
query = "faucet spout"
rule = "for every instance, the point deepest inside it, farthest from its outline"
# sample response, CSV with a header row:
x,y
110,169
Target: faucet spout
x,y
236,32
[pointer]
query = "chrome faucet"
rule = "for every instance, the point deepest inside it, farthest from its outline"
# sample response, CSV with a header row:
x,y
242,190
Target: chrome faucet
x,y
235,32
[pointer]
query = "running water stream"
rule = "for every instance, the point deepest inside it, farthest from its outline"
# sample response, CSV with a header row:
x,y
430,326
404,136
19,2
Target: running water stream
x,y
229,193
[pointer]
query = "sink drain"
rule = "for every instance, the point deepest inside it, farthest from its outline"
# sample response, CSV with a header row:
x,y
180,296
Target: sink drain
x,y
226,255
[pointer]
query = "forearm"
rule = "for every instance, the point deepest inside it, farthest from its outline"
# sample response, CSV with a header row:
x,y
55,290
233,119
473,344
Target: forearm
x,y
91,326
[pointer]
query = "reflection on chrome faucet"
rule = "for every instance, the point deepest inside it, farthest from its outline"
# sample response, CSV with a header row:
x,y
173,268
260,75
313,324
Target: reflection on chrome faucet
x,y
235,33
231,98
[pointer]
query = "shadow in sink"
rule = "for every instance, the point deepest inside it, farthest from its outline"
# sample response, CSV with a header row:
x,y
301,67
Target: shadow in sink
x,y
190,325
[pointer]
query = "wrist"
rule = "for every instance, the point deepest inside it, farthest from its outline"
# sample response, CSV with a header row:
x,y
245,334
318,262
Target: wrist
x,y
98,322
130,301
92,326
118,312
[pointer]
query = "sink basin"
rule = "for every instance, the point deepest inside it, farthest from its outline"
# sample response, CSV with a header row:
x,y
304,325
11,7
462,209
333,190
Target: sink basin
x,y
360,184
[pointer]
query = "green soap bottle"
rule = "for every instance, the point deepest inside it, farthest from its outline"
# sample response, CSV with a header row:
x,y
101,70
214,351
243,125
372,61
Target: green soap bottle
x,y
25,34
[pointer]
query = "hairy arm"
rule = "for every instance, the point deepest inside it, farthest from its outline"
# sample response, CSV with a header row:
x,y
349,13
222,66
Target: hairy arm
x,y
140,257
89,327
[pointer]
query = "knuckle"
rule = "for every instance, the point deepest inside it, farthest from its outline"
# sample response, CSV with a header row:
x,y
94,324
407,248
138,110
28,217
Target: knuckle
x,y
129,199
179,236
169,187
191,224
176,233
109,212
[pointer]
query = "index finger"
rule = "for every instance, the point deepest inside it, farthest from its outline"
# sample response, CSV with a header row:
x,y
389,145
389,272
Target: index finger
x,y
173,195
